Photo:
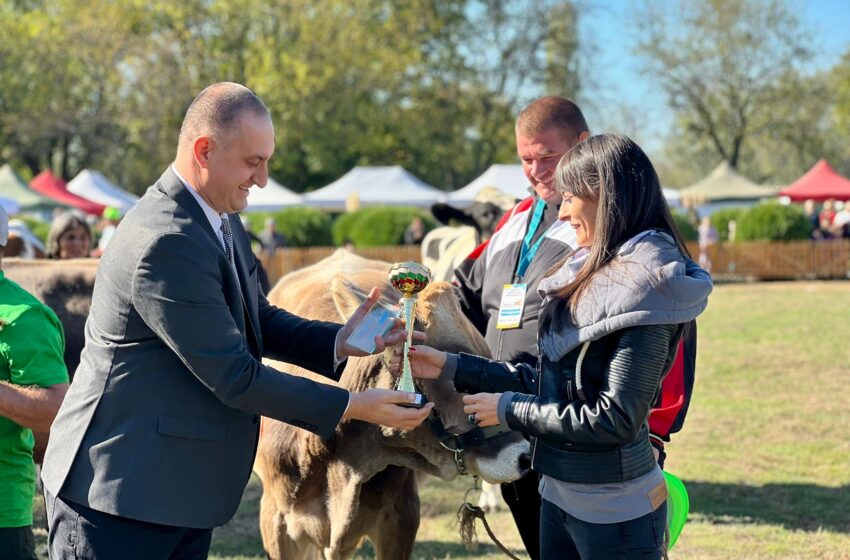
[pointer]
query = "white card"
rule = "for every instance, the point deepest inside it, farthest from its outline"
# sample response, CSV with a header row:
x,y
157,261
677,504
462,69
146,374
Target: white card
x,y
513,302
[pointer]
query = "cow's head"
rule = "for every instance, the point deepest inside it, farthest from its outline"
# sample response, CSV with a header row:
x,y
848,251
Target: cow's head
x,y
447,444
483,216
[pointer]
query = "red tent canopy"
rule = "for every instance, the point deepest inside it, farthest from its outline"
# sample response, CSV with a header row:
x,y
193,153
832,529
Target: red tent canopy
x,y
820,183
53,187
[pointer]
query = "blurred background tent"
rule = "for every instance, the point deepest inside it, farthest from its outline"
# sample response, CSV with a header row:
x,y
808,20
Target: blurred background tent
x,y
272,197
508,178
56,189
820,183
723,187
14,188
9,205
374,186
673,197
93,186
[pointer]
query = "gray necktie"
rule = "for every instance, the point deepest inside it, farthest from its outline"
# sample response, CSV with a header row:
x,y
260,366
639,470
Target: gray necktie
x,y
228,243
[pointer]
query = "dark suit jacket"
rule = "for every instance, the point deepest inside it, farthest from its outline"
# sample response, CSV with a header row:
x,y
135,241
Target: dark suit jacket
x,y
161,421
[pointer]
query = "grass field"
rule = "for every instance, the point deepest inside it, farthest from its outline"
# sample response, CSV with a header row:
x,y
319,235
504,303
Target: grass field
x,y
765,453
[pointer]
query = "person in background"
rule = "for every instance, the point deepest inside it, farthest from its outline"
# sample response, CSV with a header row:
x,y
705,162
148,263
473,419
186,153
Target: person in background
x,y
271,238
841,221
110,219
69,237
708,236
33,381
415,232
811,212
614,311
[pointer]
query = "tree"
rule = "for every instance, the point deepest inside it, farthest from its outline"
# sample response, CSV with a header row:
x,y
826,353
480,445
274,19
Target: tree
x,y
731,70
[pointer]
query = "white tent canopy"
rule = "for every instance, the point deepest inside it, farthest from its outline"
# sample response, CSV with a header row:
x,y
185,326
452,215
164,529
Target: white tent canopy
x,y
93,186
673,197
272,197
375,186
510,179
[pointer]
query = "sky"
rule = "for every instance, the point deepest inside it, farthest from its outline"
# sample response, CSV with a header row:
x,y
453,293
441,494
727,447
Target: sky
x,y
615,72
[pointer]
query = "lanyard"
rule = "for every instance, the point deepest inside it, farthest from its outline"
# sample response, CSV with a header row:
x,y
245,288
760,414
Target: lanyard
x,y
528,250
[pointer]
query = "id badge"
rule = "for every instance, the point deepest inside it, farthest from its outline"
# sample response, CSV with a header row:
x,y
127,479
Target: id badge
x,y
513,302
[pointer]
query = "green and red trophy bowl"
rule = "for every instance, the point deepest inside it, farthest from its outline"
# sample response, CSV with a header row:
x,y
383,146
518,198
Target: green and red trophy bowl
x,y
409,278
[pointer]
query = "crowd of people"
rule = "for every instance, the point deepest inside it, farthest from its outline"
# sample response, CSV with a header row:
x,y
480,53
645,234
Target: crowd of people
x,y
178,329
830,221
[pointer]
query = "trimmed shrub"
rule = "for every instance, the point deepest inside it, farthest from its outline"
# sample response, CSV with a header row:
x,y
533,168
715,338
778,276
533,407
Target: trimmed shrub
x,y
384,225
341,229
301,225
720,220
773,222
686,229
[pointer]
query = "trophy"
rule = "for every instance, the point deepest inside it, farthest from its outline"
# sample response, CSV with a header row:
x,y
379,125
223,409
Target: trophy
x,y
409,278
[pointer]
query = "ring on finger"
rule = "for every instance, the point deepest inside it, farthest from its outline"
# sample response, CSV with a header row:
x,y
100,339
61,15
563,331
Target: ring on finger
x,y
472,419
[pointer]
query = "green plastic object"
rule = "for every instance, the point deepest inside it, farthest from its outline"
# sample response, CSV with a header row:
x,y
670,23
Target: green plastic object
x,y
678,506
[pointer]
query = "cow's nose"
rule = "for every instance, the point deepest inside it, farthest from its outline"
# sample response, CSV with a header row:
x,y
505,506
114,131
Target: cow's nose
x,y
524,463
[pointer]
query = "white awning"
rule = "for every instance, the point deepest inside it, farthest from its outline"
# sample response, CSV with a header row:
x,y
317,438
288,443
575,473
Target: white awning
x,y
375,186
93,186
273,196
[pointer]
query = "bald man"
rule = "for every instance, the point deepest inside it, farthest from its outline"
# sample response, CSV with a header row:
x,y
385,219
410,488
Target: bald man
x,y
155,440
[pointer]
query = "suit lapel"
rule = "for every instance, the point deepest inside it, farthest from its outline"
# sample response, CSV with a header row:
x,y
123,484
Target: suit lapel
x,y
173,187
249,294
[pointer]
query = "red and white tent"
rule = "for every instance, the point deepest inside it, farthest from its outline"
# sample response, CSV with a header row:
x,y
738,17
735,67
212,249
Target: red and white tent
x,y
820,183
54,188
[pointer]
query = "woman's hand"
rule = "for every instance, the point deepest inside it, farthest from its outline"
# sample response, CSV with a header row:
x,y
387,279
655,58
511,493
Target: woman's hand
x,y
425,362
484,407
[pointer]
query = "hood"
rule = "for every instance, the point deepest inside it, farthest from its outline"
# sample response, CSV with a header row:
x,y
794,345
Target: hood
x,y
649,282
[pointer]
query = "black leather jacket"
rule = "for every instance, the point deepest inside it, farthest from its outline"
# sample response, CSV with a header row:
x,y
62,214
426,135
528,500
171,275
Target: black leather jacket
x,y
602,436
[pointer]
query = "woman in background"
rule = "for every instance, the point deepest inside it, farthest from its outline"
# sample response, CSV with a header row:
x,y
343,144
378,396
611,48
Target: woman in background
x,y
69,237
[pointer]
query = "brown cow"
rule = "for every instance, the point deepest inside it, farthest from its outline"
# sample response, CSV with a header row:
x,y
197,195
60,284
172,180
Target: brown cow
x,y
66,288
323,496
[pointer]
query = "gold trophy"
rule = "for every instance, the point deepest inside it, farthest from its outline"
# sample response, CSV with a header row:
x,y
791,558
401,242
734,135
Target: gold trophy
x,y
409,278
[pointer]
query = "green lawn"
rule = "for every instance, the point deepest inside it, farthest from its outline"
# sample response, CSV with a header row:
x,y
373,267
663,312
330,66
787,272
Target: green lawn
x,y
765,453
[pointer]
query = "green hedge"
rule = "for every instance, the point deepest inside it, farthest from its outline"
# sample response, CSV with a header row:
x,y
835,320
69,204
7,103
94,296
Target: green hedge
x,y
720,220
342,226
302,226
378,226
686,229
773,222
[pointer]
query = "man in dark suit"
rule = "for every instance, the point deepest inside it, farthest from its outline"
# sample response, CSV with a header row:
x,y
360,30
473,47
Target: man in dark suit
x,y
154,443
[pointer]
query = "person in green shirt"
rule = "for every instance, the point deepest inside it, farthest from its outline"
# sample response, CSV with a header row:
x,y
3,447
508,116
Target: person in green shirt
x,y
33,381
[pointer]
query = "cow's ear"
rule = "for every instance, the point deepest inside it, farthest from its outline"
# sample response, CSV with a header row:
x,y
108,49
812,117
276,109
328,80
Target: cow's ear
x,y
347,297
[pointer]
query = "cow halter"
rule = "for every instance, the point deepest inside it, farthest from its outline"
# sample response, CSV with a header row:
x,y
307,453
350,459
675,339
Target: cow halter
x,y
458,443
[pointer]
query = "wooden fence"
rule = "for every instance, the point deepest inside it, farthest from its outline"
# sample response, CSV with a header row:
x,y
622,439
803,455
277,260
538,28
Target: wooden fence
x,y
752,260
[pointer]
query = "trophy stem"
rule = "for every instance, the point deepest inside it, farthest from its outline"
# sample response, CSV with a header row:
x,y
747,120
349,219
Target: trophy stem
x,y
405,382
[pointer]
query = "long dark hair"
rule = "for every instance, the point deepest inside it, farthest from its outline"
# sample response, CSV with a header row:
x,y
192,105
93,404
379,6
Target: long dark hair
x,y
615,172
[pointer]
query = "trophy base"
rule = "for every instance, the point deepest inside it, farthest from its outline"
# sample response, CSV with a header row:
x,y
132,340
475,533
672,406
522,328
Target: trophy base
x,y
418,403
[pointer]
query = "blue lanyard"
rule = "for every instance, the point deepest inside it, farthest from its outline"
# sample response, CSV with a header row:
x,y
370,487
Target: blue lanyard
x,y
528,250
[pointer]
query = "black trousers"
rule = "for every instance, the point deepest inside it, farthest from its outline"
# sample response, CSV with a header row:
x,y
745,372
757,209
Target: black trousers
x,y
77,531
17,543
564,537
523,499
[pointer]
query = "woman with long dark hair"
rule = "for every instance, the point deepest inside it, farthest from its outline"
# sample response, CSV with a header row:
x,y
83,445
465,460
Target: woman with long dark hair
x,y
612,317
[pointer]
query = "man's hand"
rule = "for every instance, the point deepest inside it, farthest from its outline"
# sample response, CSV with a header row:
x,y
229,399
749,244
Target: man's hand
x,y
396,336
484,407
425,362
381,406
